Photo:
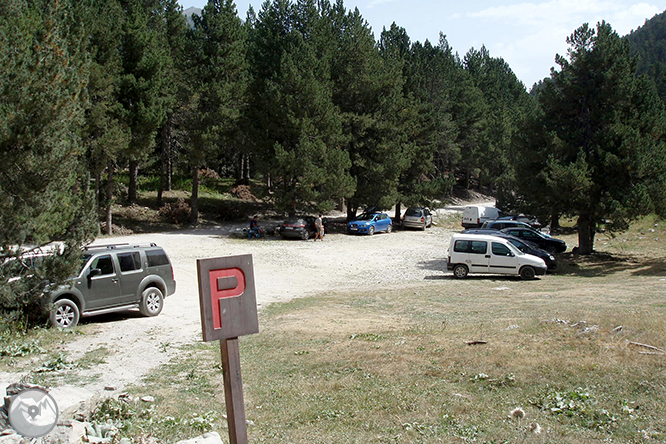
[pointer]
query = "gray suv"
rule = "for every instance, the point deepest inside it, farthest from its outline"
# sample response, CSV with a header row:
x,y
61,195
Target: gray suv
x,y
115,278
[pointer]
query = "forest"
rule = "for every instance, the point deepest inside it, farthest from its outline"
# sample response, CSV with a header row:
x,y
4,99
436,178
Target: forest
x,y
301,97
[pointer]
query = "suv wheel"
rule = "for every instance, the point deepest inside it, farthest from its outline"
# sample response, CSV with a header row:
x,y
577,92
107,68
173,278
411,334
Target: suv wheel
x,y
65,314
152,302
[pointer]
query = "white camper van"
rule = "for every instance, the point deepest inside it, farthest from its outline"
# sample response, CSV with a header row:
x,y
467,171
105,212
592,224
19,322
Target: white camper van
x,y
479,253
475,215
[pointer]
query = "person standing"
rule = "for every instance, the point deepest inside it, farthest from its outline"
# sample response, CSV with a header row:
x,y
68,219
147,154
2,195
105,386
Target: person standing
x,y
255,230
319,228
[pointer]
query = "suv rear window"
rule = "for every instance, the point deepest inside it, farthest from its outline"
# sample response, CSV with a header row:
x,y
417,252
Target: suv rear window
x,y
156,257
129,261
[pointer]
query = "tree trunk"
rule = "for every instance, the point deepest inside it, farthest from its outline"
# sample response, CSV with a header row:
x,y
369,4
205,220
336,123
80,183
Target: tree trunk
x,y
194,201
133,179
246,168
98,191
109,198
554,222
398,210
351,211
160,187
169,172
165,136
586,230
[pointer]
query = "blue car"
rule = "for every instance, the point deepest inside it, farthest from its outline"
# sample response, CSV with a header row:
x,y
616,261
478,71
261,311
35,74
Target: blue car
x,y
370,223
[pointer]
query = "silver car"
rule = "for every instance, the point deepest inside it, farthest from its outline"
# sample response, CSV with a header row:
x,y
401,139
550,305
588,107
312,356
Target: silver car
x,y
417,218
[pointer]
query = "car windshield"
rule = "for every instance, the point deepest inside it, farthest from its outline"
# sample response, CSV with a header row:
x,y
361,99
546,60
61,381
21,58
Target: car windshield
x,y
294,220
413,212
520,245
366,216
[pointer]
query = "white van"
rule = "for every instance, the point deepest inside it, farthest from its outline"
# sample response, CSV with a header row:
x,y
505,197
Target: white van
x,y
479,253
475,215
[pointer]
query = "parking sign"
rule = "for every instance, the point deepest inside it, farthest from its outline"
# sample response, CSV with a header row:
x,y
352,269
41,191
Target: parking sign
x,y
227,297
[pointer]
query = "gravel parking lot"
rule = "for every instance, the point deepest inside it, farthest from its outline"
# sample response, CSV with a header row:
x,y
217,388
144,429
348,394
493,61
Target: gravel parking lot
x,y
284,269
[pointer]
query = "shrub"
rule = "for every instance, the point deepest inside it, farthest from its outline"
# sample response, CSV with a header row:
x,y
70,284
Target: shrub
x,y
177,212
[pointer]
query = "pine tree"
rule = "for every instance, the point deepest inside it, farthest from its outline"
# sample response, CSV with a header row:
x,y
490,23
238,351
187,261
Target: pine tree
x,y
601,143
171,134
145,88
298,127
105,134
431,130
43,187
219,71
506,102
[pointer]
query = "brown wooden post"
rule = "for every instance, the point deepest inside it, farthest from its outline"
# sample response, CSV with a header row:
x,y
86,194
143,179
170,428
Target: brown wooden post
x,y
228,310
233,391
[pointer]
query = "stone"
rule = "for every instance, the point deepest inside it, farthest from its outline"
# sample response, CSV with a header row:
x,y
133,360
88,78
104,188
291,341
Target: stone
x,y
206,438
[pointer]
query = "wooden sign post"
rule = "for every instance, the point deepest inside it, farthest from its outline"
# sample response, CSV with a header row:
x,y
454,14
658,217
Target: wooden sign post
x,y
228,305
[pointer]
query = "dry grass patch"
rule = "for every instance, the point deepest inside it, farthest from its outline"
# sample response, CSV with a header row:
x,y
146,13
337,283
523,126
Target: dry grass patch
x,y
393,365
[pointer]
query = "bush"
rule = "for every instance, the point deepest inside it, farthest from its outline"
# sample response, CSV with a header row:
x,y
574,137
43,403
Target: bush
x,y
177,212
24,300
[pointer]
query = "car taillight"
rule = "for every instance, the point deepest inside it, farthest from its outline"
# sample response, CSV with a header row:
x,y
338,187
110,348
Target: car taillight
x,y
423,219
478,221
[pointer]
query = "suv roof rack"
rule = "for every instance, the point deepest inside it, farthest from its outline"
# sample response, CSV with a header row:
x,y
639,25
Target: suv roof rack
x,y
115,246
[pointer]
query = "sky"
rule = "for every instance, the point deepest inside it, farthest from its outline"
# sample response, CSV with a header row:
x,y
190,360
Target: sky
x,y
526,34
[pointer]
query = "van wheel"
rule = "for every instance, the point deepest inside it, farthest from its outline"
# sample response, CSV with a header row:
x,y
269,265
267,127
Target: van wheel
x,y
460,271
65,314
152,301
527,273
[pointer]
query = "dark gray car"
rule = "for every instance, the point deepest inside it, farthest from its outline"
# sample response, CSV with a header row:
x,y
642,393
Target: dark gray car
x,y
115,278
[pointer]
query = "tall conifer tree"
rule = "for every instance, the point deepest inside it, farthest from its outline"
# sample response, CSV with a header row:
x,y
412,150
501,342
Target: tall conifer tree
x,y
219,72
43,187
602,151
297,124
